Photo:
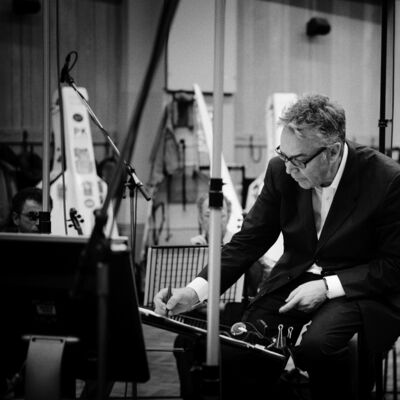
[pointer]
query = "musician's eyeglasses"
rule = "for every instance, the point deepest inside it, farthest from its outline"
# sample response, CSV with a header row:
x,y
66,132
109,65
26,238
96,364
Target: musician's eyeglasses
x,y
31,215
298,163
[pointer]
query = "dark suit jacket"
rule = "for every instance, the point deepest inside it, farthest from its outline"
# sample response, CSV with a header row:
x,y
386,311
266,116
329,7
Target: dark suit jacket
x,y
360,240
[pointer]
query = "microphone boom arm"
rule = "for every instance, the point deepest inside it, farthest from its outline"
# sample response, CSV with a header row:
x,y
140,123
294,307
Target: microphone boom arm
x,y
129,168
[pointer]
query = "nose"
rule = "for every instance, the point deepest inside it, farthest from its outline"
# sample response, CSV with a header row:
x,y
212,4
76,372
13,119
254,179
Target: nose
x,y
289,167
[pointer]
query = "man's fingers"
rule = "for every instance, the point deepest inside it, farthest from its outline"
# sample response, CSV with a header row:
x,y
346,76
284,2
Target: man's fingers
x,y
291,295
288,306
171,303
180,301
161,294
160,306
291,303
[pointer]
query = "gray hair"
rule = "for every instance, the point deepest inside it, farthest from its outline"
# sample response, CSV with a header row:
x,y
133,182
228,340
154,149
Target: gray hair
x,y
316,112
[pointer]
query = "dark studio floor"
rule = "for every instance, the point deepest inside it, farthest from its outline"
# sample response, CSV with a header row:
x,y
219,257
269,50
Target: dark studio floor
x,y
164,381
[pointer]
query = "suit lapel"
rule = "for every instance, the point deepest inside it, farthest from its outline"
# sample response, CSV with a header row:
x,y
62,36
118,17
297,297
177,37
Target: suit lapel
x,y
344,201
306,216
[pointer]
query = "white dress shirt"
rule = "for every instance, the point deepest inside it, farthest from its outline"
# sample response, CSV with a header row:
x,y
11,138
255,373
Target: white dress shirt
x,y
322,198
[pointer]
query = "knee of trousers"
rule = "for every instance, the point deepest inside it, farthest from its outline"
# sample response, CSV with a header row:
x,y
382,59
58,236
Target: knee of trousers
x,y
314,351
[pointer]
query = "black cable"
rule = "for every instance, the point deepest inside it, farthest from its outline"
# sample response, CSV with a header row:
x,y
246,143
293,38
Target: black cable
x,y
133,239
75,54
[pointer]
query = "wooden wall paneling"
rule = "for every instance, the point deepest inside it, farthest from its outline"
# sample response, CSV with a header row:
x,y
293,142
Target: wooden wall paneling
x,y
86,68
191,46
267,60
95,72
67,30
275,55
20,71
139,23
32,72
92,29
245,100
112,65
356,66
15,74
7,69
107,42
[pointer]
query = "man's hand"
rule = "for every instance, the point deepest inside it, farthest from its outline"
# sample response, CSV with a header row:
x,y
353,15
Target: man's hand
x,y
306,297
181,300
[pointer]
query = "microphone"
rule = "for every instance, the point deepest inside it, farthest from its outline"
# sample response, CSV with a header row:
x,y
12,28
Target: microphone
x,y
65,69
238,329
248,332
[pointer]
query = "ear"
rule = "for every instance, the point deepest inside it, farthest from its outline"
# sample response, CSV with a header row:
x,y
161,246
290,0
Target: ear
x,y
335,150
15,218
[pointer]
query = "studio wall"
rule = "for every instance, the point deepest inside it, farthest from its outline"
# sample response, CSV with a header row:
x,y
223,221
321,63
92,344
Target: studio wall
x,y
268,49
275,55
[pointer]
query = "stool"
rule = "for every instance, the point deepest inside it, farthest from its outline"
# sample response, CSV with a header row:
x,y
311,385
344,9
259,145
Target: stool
x,y
359,361
393,352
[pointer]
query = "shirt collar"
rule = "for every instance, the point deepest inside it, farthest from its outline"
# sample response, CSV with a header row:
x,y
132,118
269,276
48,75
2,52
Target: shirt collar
x,y
339,173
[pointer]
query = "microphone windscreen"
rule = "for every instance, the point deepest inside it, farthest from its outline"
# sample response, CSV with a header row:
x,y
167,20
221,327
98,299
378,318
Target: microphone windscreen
x,y
238,329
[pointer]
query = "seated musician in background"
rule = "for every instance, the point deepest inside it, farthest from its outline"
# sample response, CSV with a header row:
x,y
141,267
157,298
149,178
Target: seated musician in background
x,y
23,218
259,270
24,214
337,204
204,220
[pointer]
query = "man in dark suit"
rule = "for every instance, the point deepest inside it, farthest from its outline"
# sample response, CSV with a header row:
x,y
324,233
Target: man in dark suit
x,y
337,205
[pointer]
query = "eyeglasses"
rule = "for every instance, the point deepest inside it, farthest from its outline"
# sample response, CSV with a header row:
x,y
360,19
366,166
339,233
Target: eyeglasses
x,y
32,215
297,163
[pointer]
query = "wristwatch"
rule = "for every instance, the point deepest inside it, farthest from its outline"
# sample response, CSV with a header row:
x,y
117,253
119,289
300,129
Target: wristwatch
x,y
326,286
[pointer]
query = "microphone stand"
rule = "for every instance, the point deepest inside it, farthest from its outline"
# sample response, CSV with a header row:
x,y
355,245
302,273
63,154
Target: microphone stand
x,y
44,216
211,370
96,251
132,182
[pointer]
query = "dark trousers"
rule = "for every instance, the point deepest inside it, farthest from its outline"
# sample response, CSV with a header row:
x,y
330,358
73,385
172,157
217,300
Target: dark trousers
x,y
323,351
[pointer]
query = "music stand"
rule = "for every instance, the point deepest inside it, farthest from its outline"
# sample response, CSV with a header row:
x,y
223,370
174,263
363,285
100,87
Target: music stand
x,y
35,303
176,266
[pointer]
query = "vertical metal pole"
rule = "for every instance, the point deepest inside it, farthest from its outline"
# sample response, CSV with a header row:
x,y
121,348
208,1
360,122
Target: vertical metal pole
x,y
46,103
211,372
387,78
102,277
396,73
45,225
215,216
